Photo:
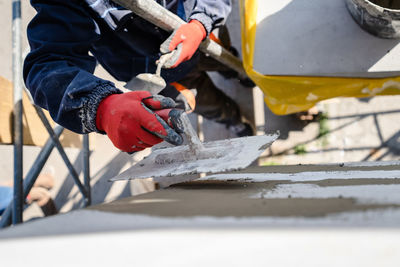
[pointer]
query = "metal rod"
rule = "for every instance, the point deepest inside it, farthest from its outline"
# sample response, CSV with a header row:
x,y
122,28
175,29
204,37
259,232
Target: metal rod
x,y
259,111
86,169
18,200
32,175
151,11
191,135
200,130
60,149
41,159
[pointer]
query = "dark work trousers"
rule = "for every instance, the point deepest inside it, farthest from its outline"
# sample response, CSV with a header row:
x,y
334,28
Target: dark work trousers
x,y
211,102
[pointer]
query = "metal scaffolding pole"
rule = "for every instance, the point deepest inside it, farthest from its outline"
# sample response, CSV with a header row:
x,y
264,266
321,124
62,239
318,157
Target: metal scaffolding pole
x,y
60,149
40,161
13,213
18,200
86,169
32,175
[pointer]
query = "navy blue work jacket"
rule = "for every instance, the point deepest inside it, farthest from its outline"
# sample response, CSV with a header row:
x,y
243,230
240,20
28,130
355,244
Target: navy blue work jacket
x,y
68,39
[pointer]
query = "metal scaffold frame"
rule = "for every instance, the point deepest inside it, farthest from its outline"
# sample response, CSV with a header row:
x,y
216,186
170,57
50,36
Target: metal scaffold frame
x,y
22,187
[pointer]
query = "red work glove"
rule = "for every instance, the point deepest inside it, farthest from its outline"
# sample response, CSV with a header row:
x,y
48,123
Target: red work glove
x,y
186,39
130,121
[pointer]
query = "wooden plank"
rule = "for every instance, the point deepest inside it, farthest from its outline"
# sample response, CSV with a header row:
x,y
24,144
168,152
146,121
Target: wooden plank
x,y
34,131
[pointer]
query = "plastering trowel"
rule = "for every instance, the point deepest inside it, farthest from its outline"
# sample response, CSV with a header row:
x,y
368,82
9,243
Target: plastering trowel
x,y
195,157
153,83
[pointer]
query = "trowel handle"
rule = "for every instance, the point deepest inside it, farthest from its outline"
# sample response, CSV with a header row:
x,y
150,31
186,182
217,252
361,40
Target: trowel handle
x,y
151,11
191,135
179,121
173,118
162,60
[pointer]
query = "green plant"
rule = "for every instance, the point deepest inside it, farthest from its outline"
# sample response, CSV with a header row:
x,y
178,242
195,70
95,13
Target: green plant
x,y
300,149
323,124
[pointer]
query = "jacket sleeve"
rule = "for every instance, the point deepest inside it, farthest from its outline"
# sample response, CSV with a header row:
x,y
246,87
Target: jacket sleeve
x,y
59,70
211,13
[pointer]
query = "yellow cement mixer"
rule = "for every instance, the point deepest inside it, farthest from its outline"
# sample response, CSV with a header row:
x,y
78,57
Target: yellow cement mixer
x,y
300,52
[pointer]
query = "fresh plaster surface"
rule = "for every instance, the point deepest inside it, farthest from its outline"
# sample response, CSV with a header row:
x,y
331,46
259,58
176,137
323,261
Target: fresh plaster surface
x,y
372,163
332,167
363,194
313,37
304,176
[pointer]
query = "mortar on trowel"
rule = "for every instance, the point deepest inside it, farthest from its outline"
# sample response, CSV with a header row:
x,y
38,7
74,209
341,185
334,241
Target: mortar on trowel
x,y
195,157
152,83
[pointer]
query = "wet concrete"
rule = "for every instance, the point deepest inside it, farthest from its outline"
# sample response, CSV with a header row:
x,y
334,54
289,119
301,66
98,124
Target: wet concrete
x,y
225,197
327,168
221,199
218,205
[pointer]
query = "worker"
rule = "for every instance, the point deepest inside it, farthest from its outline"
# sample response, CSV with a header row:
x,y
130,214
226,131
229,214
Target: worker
x,y
68,38
40,193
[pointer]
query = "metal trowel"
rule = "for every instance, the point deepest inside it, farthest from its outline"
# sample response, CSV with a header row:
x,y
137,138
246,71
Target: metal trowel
x,y
153,83
164,164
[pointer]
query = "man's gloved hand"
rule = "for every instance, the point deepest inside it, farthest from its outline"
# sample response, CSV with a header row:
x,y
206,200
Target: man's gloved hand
x,y
186,39
131,122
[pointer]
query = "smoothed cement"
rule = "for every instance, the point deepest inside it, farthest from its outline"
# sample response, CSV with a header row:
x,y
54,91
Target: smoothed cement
x,y
232,193
220,204
233,198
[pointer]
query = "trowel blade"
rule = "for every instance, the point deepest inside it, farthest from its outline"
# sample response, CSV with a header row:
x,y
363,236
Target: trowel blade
x,y
146,82
218,156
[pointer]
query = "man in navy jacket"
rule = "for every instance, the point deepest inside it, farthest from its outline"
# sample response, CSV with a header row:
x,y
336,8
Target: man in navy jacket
x,y
68,38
